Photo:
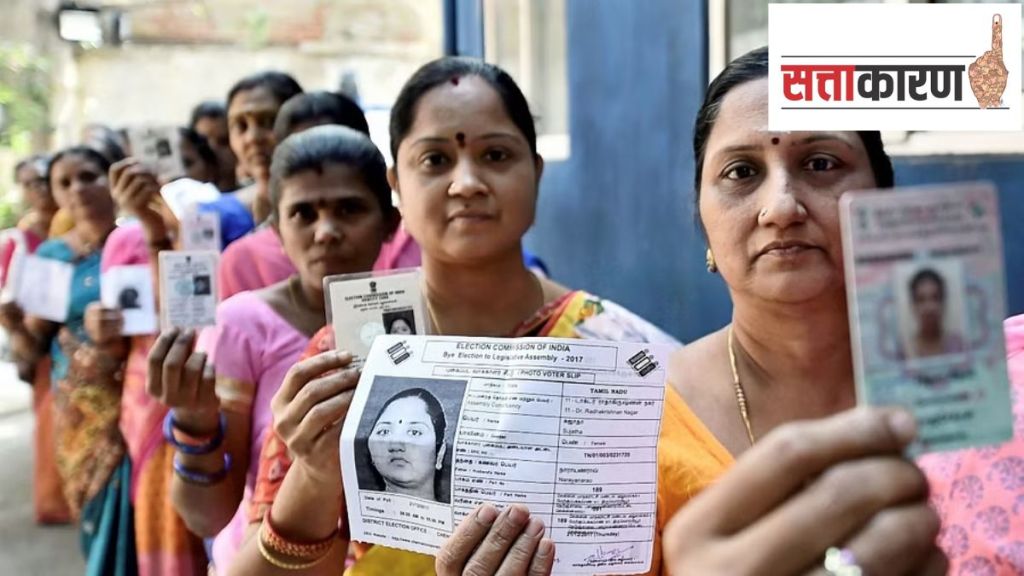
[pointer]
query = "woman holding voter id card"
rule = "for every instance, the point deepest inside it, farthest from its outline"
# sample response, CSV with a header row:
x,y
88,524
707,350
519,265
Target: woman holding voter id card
x,y
332,210
87,351
762,461
467,173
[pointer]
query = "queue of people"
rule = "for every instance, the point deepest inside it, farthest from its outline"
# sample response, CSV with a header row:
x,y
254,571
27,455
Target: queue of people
x,y
183,452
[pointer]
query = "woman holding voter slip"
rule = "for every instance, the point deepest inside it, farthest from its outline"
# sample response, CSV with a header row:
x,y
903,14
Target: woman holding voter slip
x,y
87,351
332,210
858,492
467,174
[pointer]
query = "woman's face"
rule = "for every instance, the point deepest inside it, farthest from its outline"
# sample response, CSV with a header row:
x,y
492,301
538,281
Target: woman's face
x,y
34,189
929,306
465,174
251,118
769,200
330,223
403,446
215,130
195,167
83,185
401,327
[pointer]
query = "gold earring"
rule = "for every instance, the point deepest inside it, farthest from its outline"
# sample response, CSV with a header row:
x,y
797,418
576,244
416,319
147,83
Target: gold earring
x,y
709,260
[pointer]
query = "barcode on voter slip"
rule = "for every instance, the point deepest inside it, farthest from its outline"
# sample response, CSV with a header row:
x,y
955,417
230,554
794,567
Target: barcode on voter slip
x,y
643,362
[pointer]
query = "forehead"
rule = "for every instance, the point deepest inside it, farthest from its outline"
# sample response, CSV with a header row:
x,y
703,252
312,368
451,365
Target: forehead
x,y
409,406
332,180
211,124
28,171
743,120
471,103
74,163
259,99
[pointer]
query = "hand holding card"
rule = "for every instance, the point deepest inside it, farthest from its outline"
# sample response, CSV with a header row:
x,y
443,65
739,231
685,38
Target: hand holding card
x,y
44,288
363,306
160,149
103,325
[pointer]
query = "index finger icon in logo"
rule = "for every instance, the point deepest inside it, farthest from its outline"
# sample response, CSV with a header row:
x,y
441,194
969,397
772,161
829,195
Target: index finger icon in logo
x,y
988,73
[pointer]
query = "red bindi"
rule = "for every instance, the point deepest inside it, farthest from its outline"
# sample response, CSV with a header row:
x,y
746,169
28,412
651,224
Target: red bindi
x,y
460,138
775,141
455,81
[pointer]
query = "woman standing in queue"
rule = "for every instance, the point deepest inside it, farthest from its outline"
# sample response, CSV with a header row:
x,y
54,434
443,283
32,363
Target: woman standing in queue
x,y
467,173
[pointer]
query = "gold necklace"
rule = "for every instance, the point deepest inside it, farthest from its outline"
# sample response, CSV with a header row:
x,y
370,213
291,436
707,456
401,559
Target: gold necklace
x,y
741,395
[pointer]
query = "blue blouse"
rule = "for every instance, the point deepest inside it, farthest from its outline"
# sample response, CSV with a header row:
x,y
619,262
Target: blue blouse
x,y
85,289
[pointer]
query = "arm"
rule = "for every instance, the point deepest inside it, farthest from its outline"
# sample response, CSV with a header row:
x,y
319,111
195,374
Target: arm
x,y
30,337
184,381
309,410
305,510
136,190
207,509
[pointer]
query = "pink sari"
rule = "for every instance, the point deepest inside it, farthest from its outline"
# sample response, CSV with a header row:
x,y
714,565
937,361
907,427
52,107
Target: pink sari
x,y
979,493
164,546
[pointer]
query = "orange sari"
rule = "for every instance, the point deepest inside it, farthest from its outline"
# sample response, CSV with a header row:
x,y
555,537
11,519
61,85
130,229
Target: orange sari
x,y
48,497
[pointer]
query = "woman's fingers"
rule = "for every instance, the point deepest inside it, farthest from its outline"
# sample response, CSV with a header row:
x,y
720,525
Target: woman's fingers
x,y
322,408
157,355
791,455
519,558
544,560
455,552
320,389
837,504
208,388
490,554
306,370
899,541
327,415
118,169
174,364
192,377
937,564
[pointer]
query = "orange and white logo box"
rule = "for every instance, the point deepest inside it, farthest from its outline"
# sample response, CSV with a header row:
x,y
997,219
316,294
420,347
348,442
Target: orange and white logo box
x,y
895,67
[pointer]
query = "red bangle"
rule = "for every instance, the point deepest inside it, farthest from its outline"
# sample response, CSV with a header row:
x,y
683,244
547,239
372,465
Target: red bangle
x,y
284,547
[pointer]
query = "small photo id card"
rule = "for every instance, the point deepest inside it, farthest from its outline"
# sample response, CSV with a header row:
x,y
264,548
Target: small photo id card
x,y
188,289
130,289
44,288
200,230
160,148
926,294
363,306
9,291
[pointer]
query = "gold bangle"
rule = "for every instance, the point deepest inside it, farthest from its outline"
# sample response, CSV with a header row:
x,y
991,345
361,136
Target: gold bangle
x,y
284,565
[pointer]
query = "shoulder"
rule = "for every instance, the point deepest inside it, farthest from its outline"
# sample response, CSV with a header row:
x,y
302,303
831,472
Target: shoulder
x,y
244,310
695,356
55,248
126,245
602,319
257,241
